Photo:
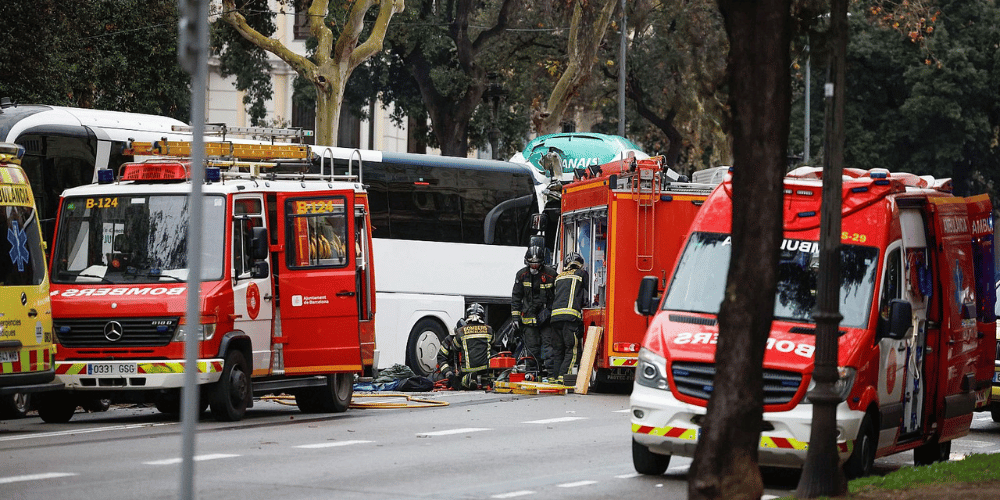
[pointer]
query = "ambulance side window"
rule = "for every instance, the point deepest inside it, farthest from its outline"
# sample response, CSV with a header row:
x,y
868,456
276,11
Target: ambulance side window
x,y
891,286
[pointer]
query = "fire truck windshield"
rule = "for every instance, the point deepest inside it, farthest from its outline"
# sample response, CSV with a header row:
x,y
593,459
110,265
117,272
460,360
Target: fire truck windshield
x,y
134,239
700,279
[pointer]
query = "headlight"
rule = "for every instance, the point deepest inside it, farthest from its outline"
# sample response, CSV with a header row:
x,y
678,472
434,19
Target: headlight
x,y
205,332
651,371
843,384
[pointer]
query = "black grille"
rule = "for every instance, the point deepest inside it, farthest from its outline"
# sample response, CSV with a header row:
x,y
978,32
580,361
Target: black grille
x,y
697,320
695,380
144,332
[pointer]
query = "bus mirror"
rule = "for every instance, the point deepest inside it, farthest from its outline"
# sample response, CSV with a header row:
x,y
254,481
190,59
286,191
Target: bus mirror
x,y
259,243
260,270
645,303
900,318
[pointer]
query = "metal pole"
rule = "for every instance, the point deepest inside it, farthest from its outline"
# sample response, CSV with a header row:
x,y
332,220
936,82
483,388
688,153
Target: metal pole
x,y
193,57
621,74
821,473
805,148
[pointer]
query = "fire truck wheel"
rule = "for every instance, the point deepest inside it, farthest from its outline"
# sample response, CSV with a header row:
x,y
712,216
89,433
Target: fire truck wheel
x,y
232,393
862,461
932,452
337,395
56,407
14,405
995,413
647,462
424,343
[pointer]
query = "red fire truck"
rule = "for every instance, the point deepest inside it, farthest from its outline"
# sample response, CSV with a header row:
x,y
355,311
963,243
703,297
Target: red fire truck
x,y
628,219
287,293
916,343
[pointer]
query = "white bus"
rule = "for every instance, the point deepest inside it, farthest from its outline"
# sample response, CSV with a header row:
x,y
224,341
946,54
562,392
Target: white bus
x,y
64,147
447,232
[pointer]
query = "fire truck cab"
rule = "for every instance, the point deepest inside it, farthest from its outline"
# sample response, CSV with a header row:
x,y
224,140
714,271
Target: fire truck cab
x,y
916,342
287,291
627,219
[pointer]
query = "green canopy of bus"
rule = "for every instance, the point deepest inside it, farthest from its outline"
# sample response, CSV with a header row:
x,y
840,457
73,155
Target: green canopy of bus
x,y
578,150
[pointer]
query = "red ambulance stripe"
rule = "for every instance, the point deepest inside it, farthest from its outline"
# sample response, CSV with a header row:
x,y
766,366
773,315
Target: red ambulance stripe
x,y
645,429
782,442
674,432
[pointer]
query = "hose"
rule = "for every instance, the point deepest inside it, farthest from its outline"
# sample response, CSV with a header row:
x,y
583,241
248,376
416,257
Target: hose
x,y
421,403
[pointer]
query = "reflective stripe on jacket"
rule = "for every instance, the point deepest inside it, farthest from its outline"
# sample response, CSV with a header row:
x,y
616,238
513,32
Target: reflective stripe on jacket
x,y
570,291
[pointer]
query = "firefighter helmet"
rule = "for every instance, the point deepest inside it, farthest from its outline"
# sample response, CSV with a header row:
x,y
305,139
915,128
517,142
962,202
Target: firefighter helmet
x,y
573,260
534,255
475,313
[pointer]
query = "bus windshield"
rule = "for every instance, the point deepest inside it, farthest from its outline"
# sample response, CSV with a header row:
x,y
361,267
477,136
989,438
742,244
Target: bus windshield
x,y
134,239
700,279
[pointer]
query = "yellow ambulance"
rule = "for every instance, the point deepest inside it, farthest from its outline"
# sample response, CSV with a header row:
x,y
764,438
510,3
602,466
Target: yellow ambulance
x,y
27,350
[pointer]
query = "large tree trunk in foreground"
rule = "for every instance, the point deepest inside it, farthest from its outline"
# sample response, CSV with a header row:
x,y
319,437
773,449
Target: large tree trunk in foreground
x,y
725,462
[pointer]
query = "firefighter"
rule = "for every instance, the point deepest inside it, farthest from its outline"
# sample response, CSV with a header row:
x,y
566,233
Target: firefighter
x,y
571,289
464,357
531,306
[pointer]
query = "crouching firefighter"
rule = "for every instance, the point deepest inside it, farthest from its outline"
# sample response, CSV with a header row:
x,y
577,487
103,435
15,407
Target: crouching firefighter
x,y
464,357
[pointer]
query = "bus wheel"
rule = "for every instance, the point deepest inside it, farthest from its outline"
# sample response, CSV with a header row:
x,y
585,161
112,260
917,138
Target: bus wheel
x,y
862,461
232,393
647,462
932,452
56,407
424,343
14,405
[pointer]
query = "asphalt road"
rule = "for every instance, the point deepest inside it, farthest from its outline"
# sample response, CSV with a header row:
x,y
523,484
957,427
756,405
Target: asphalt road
x,y
479,446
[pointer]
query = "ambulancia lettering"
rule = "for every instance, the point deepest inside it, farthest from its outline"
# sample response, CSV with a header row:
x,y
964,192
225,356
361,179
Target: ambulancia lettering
x,y
982,226
954,225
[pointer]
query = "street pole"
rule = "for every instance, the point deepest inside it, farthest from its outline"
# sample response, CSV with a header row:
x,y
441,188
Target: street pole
x,y
621,75
192,54
805,128
821,473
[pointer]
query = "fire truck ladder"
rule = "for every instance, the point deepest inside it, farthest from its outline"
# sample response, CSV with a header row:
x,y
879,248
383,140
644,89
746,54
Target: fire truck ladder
x,y
646,191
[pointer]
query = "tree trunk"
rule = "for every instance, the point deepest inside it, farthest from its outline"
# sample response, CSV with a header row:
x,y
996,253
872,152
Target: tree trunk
x,y
327,114
725,461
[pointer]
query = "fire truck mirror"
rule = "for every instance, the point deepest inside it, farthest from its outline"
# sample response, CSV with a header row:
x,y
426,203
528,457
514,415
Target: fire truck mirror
x,y
259,245
900,318
260,270
645,303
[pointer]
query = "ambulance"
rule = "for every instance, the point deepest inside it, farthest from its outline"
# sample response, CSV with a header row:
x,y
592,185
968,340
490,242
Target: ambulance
x,y
916,343
627,219
287,284
27,353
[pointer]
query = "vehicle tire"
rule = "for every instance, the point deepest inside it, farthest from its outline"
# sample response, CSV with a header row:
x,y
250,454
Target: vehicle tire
x,y
56,407
336,396
932,452
995,413
95,405
14,405
862,460
423,346
647,462
233,391
598,381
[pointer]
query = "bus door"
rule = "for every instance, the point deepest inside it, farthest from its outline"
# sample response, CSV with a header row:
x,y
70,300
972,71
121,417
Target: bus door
x,y
318,284
253,304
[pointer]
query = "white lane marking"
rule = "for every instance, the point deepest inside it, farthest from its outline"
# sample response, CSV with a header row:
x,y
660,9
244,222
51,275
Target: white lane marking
x,y
769,497
680,469
576,484
197,458
626,410
554,420
81,431
628,476
331,444
35,477
514,494
452,431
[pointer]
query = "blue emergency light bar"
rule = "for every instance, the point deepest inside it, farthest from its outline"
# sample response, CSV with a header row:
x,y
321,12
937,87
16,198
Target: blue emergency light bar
x,y
105,176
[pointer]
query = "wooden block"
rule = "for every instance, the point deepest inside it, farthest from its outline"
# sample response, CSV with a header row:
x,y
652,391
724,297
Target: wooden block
x,y
590,346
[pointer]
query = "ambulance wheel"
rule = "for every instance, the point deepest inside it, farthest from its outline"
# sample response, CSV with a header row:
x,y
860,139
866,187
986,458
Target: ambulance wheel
x,y
932,452
233,391
995,413
56,407
423,345
647,462
862,461
14,405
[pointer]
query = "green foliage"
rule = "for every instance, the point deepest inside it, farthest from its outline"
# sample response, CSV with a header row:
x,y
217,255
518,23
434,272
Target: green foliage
x,y
247,62
971,469
105,54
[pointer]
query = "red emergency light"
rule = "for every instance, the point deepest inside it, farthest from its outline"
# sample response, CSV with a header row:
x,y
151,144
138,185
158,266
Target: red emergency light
x,y
156,171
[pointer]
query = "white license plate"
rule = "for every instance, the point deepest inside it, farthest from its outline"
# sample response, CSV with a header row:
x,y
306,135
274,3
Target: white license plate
x,y
10,356
111,369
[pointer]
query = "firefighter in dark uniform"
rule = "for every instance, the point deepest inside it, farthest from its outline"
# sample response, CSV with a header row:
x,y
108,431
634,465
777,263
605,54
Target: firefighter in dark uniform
x,y
531,305
571,290
464,357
